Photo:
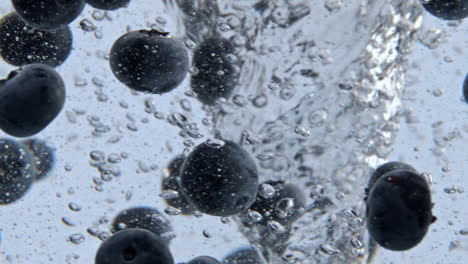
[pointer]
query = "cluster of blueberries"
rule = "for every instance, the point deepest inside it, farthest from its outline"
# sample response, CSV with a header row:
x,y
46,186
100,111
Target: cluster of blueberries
x,y
217,178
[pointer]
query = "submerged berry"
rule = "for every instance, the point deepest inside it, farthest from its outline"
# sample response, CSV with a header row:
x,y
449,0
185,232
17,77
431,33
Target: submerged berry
x,y
220,179
399,210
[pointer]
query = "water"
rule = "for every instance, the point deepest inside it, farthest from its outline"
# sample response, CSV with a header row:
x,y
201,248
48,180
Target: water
x,y
318,103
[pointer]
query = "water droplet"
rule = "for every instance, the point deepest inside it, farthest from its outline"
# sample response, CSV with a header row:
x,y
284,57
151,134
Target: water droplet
x,y
276,227
254,216
329,249
215,143
206,233
428,177
169,194
172,211
356,243
302,131
74,207
76,239
266,190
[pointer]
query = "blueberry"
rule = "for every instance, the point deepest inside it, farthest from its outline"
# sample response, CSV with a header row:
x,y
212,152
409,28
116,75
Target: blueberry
x,y
48,14
142,217
134,246
447,9
284,206
30,99
219,179
172,183
149,61
216,76
16,172
243,256
108,4
21,44
204,260
386,168
399,209
43,156
465,89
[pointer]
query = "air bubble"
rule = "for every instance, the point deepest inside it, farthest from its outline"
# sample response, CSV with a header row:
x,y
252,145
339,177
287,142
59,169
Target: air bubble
x,y
329,249
76,238
215,143
74,207
266,191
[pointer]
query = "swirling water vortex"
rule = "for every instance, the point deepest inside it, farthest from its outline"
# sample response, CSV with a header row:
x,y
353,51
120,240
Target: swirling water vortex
x,y
317,102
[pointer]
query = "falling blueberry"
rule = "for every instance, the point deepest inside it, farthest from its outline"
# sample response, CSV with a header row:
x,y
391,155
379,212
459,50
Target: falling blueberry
x,y
243,256
447,9
20,44
399,210
108,4
30,99
204,260
134,246
48,14
142,217
149,61
16,171
219,179
215,75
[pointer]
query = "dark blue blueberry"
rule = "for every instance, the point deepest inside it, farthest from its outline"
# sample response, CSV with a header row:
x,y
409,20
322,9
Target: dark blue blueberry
x,y
399,210
386,168
216,76
134,246
142,217
447,9
219,179
172,183
243,256
48,14
149,61
108,4
30,99
204,260
21,44
16,171
44,156
465,89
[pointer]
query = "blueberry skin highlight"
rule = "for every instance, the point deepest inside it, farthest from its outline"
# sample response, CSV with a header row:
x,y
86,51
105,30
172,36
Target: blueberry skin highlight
x,y
399,210
20,44
447,9
210,59
48,14
30,99
16,171
108,4
172,183
219,180
147,218
43,156
133,246
204,260
149,61
386,168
